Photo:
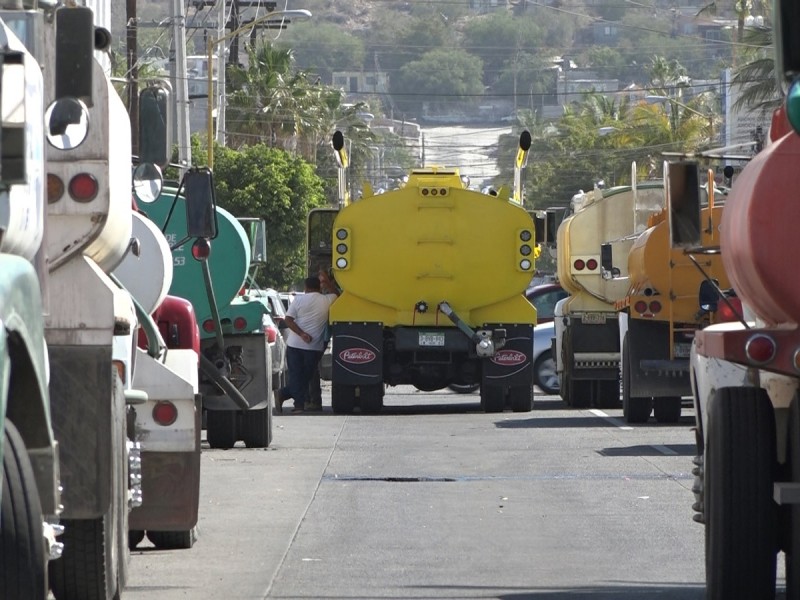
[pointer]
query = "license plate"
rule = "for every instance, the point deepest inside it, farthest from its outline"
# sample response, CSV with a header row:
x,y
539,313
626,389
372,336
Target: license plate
x,y
593,318
681,350
431,339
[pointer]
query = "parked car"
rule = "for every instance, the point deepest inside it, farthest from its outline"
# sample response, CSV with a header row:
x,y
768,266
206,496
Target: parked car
x,y
544,367
287,297
277,346
544,298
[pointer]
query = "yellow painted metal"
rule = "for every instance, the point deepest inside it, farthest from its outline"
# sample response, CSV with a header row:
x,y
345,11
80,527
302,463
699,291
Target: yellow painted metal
x,y
430,241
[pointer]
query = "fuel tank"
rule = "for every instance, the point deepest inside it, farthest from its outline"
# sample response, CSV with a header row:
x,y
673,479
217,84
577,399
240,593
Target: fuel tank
x,y
760,237
430,241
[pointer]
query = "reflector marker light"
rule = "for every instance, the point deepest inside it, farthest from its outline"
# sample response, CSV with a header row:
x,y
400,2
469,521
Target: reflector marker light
x,y
55,188
760,349
165,413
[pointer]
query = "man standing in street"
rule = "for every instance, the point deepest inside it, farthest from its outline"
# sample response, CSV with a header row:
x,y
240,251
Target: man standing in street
x,y
306,319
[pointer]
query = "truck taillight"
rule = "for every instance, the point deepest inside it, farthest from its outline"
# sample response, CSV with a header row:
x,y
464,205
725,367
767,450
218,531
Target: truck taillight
x,y
201,249
729,310
579,265
591,264
83,187
655,306
760,349
165,413
55,188
239,323
640,307
208,326
271,333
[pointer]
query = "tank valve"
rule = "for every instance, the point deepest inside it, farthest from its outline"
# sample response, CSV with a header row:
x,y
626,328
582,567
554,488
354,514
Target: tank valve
x,y
486,342
421,306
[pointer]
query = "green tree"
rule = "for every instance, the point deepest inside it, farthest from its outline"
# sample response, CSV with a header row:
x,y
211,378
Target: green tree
x,y
453,77
322,48
279,187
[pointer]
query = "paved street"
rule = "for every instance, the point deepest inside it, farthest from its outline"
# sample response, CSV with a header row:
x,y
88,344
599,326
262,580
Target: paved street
x,y
435,499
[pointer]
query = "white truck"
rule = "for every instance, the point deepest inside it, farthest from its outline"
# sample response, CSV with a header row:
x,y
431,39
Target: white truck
x,y
30,482
592,261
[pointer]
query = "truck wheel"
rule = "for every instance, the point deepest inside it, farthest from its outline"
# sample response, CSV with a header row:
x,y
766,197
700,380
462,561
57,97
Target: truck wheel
x,y
343,398
221,428
521,398
793,549
544,373
667,410
493,399
23,565
371,398
635,410
257,427
607,394
740,515
173,540
580,393
466,388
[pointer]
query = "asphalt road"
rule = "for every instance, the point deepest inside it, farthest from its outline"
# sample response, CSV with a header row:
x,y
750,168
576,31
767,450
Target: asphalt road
x,y
435,499
465,147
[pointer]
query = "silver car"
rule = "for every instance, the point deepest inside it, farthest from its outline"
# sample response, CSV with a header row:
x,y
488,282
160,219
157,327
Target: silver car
x,y
544,366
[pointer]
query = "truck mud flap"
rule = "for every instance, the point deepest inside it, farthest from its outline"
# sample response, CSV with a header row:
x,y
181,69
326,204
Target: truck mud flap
x,y
655,374
357,353
251,374
511,365
593,344
170,491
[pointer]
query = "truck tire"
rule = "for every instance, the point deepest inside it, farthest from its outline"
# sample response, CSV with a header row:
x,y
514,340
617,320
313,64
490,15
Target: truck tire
x,y
343,398
740,515
607,394
667,409
257,427
221,428
579,393
793,547
23,565
521,397
493,398
173,540
466,388
634,409
371,398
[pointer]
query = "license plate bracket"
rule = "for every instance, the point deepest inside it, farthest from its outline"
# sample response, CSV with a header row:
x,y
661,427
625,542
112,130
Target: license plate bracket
x,y
431,339
593,318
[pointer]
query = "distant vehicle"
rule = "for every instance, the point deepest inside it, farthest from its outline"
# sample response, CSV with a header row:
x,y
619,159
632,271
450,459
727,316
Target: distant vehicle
x,y
544,367
544,297
277,345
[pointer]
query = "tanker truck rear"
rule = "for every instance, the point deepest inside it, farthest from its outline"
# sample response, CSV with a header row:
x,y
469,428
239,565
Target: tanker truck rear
x,y
235,369
433,276
748,426
659,315
592,246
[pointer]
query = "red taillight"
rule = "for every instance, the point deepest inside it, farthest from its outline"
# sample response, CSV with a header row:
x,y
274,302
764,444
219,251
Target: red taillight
x,y
579,265
201,249
655,306
83,187
239,323
165,413
729,311
760,349
271,333
640,307
208,326
591,264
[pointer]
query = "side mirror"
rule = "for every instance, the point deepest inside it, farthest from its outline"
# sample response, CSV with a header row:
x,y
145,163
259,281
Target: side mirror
x,y
155,129
256,230
708,297
75,41
147,182
201,214
67,123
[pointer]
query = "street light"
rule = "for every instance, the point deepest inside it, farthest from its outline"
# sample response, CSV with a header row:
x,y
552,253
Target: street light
x,y
214,42
663,99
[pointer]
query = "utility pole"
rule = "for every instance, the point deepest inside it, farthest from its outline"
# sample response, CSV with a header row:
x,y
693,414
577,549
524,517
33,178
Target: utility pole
x,y
133,72
180,85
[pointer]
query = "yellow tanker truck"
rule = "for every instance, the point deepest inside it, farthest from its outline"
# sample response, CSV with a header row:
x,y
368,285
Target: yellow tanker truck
x,y
432,277
592,246
660,314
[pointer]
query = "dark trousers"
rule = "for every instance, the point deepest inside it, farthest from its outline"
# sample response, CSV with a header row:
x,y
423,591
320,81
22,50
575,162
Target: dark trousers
x,y
301,364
